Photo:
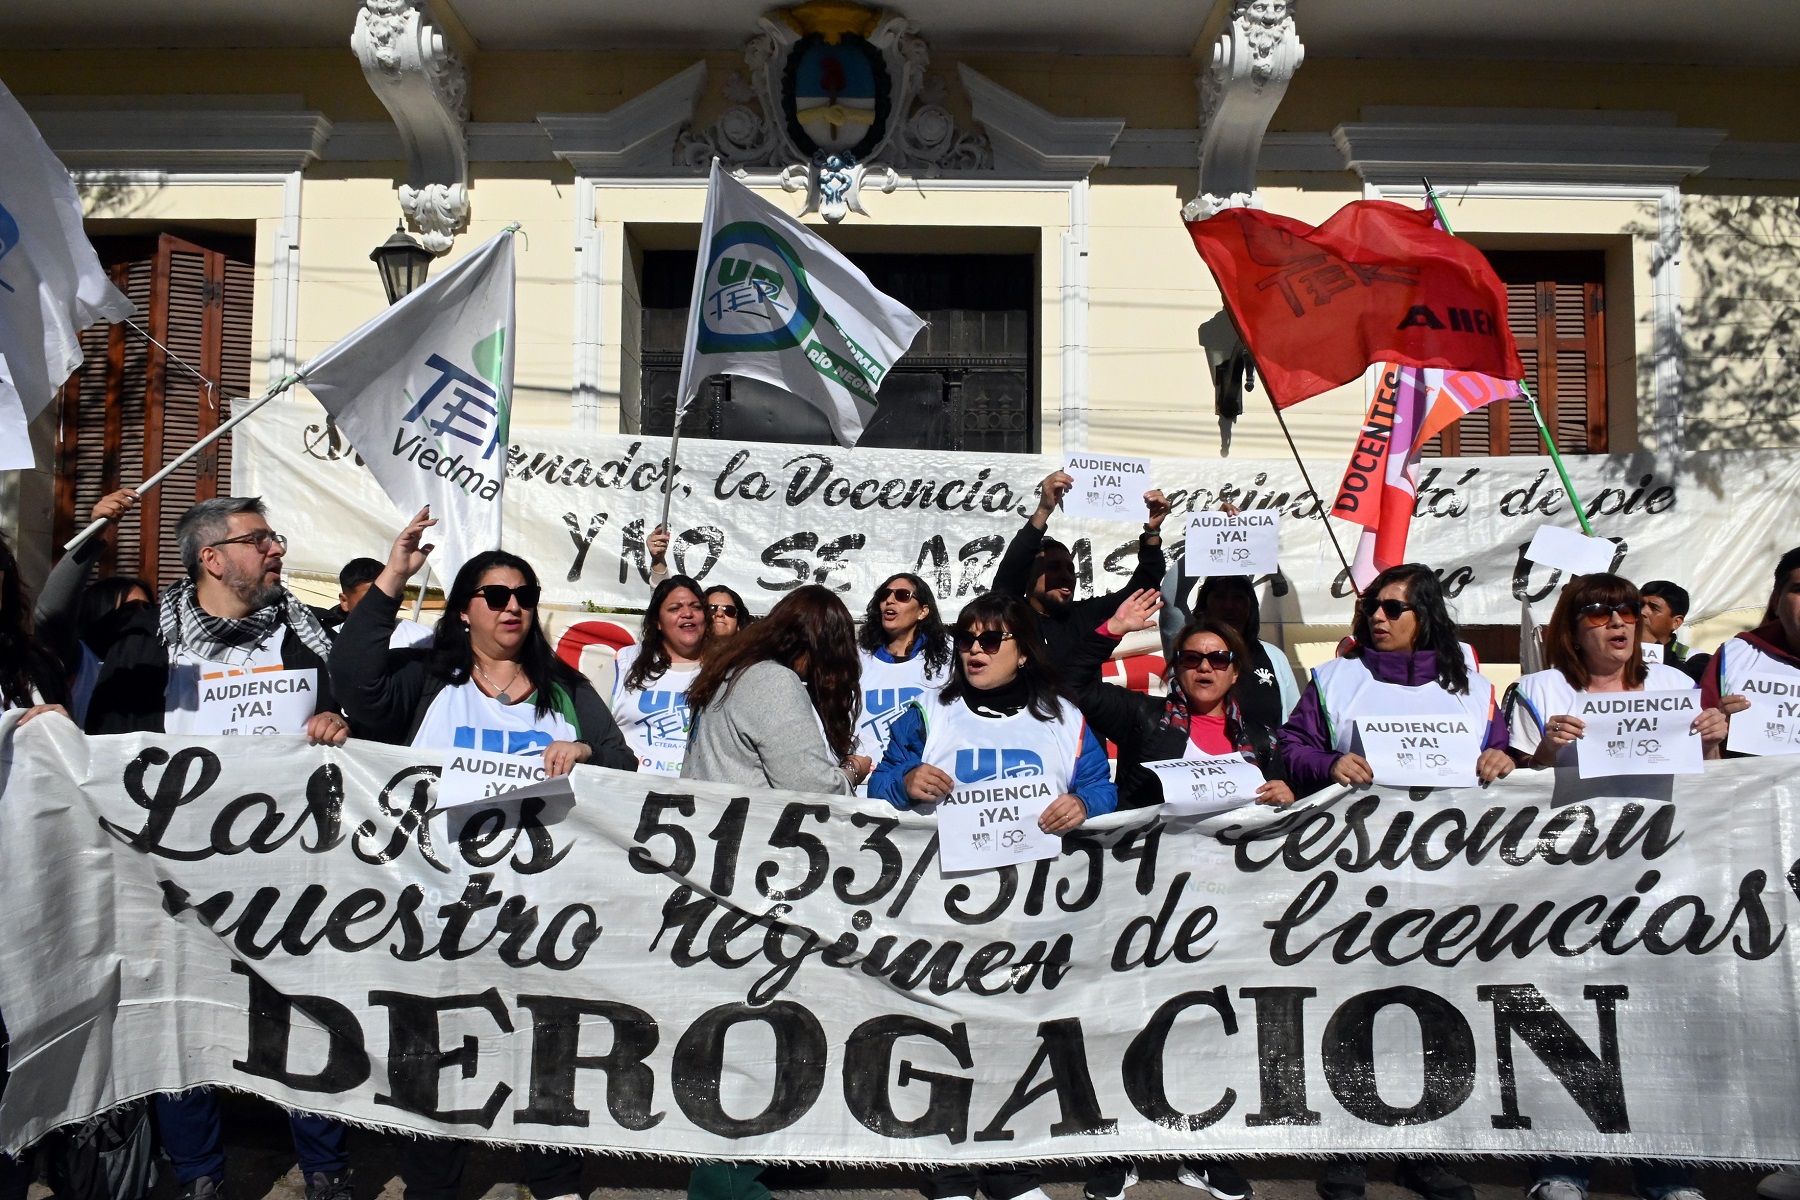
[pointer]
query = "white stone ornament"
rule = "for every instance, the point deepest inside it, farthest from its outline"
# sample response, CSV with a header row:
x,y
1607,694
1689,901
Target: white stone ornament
x,y
424,86
1252,62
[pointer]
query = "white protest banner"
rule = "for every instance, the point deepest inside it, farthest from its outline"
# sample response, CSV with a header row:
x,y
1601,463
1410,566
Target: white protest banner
x,y
988,825
1206,785
1568,550
1771,725
1106,487
257,702
1421,751
1638,733
424,393
470,777
1247,544
707,972
766,518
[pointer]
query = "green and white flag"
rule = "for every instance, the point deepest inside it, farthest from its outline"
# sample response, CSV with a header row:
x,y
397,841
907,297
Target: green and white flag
x,y
774,301
424,393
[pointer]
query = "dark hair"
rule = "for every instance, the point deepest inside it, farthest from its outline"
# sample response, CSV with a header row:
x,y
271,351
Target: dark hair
x,y
1790,562
208,522
103,597
653,657
452,656
1234,717
1673,594
25,662
744,618
930,638
1215,585
1050,545
1437,632
1563,652
359,571
997,610
811,622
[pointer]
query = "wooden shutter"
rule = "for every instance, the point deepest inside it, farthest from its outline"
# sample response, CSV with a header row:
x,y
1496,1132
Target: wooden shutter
x,y
130,409
1556,305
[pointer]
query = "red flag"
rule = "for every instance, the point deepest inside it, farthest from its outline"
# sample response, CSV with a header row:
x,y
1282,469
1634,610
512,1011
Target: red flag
x,y
1376,282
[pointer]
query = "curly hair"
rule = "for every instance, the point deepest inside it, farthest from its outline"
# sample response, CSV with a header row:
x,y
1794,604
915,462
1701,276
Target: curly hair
x,y
810,623
1437,631
1562,649
653,655
997,610
931,640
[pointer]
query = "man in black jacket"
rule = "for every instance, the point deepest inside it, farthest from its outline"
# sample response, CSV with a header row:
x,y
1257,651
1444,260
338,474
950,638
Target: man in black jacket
x,y
230,615
1042,571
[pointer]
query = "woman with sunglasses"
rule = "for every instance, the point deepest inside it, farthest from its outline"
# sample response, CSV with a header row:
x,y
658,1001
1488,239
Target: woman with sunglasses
x,y
1594,643
726,612
487,678
1406,661
651,679
905,655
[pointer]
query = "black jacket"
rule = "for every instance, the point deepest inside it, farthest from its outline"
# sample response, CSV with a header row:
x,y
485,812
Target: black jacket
x,y
1061,634
128,697
387,693
1142,729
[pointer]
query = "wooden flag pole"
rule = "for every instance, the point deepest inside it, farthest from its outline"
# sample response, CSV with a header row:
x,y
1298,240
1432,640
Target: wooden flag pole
x,y
1536,412
669,479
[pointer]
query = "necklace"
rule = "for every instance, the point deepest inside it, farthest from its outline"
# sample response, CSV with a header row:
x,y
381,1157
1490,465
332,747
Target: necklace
x,y
500,692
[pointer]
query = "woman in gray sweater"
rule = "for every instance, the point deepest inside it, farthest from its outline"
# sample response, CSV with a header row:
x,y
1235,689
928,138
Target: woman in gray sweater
x,y
775,707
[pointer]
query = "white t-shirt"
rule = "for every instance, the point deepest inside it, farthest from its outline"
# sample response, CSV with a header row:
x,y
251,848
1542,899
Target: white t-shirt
x,y
466,718
972,749
1348,690
408,634
1546,694
888,690
654,719
181,694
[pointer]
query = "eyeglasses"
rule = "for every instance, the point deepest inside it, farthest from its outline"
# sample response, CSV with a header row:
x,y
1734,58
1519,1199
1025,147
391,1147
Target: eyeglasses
x,y
496,595
1597,614
901,594
1190,660
728,610
1391,609
990,640
258,539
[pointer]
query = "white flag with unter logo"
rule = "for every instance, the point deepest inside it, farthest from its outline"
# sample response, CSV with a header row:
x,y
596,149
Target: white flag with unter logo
x,y
774,301
51,283
424,393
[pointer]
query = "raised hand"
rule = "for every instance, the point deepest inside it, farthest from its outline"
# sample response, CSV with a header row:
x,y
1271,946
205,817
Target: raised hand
x,y
407,555
1137,611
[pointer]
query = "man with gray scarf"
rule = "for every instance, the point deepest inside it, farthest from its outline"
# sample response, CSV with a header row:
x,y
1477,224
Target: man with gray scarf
x,y
230,617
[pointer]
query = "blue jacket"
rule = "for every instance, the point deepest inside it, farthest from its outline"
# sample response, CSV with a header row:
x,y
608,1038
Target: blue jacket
x,y
1092,783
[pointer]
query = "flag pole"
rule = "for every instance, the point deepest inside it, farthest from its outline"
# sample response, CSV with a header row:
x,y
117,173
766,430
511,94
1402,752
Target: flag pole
x,y
1317,498
226,427
1536,412
669,478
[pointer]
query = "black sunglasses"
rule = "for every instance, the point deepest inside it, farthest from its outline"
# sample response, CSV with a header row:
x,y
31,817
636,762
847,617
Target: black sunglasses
x,y
1598,614
990,640
730,610
902,594
1391,608
496,595
1189,660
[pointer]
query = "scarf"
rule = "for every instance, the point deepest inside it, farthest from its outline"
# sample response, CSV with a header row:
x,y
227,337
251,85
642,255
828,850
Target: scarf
x,y
1002,701
183,623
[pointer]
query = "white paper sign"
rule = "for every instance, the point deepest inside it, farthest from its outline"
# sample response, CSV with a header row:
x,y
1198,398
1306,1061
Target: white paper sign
x,y
1206,784
261,702
1421,751
1106,487
1771,725
1638,733
1653,652
983,826
1566,550
470,776
1247,544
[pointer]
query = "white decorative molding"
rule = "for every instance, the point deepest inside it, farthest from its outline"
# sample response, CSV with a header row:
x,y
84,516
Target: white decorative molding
x,y
632,139
1074,408
585,393
185,140
422,83
1253,60
1034,143
1397,152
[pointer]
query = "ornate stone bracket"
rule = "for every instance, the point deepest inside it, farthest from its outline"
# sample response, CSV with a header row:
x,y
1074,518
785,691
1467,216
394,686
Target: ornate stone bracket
x,y
1252,62
419,79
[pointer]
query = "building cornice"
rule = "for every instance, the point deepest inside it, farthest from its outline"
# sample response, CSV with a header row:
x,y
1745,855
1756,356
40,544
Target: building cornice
x,y
636,138
1396,152
174,140
1030,141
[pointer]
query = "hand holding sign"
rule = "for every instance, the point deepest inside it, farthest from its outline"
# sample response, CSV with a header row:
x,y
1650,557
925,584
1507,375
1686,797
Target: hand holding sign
x,y
988,825
1105,487
1202,786
1767,719
1233,544
1637,733
1421,751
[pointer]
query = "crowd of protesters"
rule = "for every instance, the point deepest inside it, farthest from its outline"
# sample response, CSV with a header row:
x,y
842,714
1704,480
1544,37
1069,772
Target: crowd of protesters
x,y
801,699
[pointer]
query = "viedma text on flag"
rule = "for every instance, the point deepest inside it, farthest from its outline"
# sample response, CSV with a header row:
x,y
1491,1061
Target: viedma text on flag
x,y
1368,461
689,969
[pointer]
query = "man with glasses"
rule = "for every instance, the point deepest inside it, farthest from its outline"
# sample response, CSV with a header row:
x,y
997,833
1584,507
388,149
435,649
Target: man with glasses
x,y
230,617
